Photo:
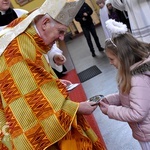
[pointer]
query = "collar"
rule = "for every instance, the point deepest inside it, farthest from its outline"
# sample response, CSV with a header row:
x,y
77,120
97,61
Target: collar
x,y
136,65
2,12
35,28
7,17
33,32
141,67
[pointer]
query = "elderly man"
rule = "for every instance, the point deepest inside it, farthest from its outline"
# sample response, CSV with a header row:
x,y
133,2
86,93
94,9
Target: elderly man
x,y
34,104
55,56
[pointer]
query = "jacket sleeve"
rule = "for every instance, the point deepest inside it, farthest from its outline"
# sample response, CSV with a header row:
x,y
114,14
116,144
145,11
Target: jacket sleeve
x,y
78,17
139,99
113,99
54,50
89,10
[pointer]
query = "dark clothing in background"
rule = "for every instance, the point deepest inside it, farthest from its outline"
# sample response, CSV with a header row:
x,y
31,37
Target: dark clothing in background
x,y
88,27
60,74
123,15
8,17
79,17
113,14
120,16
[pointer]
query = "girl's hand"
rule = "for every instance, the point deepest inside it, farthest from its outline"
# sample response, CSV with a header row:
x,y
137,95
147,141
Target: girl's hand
x,y
104,107
105,100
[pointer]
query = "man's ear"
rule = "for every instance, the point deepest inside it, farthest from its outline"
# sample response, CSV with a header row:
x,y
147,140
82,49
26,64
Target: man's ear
x,y
45,22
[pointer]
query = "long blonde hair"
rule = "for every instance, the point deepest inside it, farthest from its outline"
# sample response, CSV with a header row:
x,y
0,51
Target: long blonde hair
x,y
128,50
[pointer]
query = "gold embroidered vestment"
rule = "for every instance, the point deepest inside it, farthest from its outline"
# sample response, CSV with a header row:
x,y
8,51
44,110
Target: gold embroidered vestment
x,y
35,104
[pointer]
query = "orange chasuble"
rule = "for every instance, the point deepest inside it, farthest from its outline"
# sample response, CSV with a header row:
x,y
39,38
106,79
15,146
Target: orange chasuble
x,y
35,110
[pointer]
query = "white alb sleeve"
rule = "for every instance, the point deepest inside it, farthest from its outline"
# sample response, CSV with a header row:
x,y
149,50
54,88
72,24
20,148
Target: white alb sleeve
x,y
54,50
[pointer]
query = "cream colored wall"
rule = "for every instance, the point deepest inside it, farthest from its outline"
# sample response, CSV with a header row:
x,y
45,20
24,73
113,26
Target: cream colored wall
x,y
29,6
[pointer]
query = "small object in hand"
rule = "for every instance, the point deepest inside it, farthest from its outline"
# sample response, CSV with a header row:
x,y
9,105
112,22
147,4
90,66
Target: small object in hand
x,y
72,86
96,99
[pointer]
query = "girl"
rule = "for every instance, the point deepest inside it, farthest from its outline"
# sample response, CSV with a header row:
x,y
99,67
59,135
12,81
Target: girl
x,y
117,15
132,104
112,12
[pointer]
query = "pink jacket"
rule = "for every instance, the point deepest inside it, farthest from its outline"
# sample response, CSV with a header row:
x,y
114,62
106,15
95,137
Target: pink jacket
x,y
135,107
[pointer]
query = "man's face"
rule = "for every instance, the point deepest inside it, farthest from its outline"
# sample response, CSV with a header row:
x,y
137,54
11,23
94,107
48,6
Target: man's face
x,y
53,31
4,5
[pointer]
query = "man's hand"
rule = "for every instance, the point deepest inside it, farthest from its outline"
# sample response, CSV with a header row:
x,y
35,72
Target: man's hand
x,y
84,19
85,14
86,108
66,82
59,59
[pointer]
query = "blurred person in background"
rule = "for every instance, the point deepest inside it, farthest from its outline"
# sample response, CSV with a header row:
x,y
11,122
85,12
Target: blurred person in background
x,y
103,14
88,27
138,12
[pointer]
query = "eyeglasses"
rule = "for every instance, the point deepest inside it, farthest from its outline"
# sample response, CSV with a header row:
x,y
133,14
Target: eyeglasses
x,y
110,40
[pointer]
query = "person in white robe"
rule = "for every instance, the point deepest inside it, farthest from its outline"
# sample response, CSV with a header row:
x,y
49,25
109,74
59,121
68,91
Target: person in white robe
x,y
138,12
103,14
